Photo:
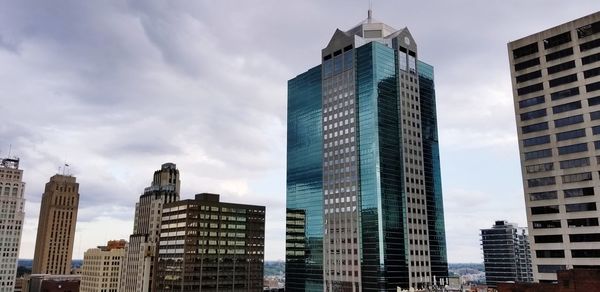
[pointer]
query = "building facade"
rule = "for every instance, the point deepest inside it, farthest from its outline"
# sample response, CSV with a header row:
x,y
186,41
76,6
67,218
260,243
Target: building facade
x,y
12,214
101,269
138,264
506,254
556,88
364,200
52,283
208,245
56,227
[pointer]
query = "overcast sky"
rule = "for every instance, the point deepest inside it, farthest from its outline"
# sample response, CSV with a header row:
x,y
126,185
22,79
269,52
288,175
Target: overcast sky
x,y
116,88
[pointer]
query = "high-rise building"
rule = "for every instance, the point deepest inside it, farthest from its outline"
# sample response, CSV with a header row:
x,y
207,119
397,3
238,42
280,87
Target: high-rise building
x,y
102,266
364,199
56,227
556,88
12,204
506,254
138,264
208,245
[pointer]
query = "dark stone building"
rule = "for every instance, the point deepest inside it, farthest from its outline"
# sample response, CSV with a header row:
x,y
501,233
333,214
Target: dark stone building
x,y
208,245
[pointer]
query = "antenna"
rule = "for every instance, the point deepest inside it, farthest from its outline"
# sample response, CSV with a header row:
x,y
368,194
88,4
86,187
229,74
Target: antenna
x,y
9,150
370,12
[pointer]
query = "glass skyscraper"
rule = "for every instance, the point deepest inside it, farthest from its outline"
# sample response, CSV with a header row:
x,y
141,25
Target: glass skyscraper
x,y
364,199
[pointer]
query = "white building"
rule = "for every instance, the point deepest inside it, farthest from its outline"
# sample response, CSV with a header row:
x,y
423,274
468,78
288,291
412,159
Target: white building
x,y
102,267
12,203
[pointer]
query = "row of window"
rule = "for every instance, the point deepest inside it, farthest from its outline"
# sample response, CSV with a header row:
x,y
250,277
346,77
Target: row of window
x,y
561,81
567,178
569,193
585,237
569,208
575,253
571,223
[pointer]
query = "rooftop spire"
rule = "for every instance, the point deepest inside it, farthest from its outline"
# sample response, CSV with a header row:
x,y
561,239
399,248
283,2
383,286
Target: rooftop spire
x,y
370,12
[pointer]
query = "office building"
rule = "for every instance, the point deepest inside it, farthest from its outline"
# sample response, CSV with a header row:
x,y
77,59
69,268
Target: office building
x,y
12,204
138,264
506,254
364,200
556,88
208,245
51,283
102,266
56,226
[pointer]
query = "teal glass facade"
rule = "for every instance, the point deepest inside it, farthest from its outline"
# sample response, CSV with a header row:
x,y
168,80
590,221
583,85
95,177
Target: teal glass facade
x,y
363,126
304,222
433,174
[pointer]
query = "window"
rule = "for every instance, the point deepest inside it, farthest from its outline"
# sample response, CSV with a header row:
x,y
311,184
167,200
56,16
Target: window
x,y
559,54
551,268
543,196
546,224
566,107
585,237
542,181
561,67
591,72
554,253
585,253
596,130
592,87
552,209
562,80
548,238
527,64
588,30
539,167
570,135
581,192
557,40
529,76
594,101
577,177
525,50
534,128
582,222
536,141
575,148
531,101
590,59
580,207
533,114
564,93
589,45
538,154
579,162
568,121
595,115
530,89
597,145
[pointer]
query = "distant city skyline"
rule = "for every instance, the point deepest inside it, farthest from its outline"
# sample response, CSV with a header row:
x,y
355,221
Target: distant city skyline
x,y
116,89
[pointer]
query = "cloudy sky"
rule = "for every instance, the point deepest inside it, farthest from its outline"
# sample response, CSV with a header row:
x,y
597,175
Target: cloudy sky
x,y
116,88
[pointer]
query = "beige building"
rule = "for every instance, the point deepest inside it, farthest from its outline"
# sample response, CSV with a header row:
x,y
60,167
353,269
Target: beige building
x,y
102,266
56,227
138,264
556,88
12,203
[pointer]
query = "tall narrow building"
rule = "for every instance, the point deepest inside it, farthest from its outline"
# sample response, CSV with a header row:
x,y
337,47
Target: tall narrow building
x,y
138,265
364,200
56,227
506,254
556,88
12,204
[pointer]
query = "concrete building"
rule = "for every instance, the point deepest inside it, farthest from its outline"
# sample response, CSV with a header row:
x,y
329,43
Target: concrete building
x,y
138,263
56,226
12,204
208,245
556,87
506,254
101,269
364,198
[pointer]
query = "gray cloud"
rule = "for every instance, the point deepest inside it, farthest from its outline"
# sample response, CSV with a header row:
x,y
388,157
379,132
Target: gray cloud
x,y
118,87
